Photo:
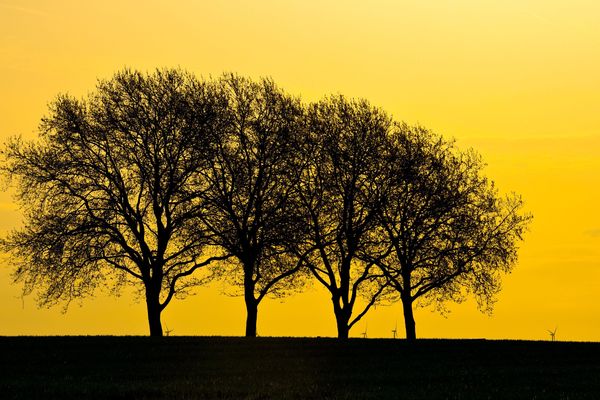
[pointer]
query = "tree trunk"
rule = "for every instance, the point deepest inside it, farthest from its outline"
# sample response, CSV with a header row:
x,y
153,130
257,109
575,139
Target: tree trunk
x,y
251,303
342,326
251,316
409,319
153,307
342,317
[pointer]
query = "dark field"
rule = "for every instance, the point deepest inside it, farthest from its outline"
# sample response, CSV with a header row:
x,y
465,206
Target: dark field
x,y
282,368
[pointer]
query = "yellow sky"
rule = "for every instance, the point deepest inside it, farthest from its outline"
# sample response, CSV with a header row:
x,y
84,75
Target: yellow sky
x,y
518,80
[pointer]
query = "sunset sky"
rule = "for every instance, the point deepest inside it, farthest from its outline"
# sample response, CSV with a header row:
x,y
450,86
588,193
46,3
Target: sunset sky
x,y
517,80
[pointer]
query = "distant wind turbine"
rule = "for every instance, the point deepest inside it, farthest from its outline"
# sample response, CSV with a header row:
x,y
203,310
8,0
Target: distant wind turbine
x,y
364,334
553,334
395,330
167,330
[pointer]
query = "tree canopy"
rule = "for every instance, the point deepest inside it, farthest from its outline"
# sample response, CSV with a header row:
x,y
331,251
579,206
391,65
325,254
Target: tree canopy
x,y
254,170
342,191
448,230
108,190
157,180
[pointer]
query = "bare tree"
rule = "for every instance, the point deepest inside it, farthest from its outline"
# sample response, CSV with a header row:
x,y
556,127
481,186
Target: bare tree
x,y
341,193
108,191
449,230
254,171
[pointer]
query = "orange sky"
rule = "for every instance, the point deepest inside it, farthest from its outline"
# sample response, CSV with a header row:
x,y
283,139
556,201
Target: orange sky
x,y
518,80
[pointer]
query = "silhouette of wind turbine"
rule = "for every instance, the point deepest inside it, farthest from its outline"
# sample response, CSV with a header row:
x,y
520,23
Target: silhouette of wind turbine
x,y
553,334
167,330
364,334
395,330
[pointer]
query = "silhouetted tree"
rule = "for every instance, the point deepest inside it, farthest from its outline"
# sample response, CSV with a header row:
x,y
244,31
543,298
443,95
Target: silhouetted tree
x,y
449,230
255,168
109,190
341,193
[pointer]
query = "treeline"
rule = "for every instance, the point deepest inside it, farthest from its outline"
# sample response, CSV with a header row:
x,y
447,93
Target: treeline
x,y
164,181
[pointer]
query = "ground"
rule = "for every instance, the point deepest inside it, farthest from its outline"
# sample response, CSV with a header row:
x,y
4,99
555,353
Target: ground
x,y
294,368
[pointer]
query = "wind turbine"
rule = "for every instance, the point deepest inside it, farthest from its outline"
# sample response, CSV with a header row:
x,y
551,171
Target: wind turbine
x,y
553,334
167,330
395,330
364,334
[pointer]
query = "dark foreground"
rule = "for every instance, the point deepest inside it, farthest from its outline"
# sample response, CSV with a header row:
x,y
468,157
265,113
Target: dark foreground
x,y
280,368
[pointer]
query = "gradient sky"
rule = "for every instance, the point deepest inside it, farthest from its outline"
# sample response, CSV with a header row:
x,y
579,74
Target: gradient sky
x,y
517,80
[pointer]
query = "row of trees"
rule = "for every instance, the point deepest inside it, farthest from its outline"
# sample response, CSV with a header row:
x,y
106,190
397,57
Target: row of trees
x,y
164,181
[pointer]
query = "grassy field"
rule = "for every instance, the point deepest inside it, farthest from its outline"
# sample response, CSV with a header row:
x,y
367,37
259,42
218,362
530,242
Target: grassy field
x,y
294,368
